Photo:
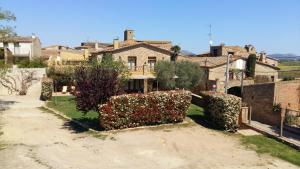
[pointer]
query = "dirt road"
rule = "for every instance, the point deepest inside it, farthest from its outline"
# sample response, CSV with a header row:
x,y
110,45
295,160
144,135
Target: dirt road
x,y
38,140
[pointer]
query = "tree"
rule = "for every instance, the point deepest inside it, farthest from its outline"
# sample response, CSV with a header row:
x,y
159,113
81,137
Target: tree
x,y
94,85
188,74
165,73
175,52
118,65
6,16
250,65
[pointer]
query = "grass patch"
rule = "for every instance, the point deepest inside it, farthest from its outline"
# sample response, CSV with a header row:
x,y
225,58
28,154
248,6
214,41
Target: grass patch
x,y
265,145
67,106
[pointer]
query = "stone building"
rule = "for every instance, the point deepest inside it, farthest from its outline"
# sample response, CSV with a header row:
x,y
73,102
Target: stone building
x,y
214,63
223,50
262,98
215,69
140,56
58,55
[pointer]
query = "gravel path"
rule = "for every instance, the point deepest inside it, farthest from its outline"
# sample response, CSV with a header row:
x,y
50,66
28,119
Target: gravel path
x,y
38,140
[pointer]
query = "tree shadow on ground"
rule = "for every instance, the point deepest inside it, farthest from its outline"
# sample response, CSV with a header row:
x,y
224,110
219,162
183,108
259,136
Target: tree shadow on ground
x,y
87,122
5,105
203,120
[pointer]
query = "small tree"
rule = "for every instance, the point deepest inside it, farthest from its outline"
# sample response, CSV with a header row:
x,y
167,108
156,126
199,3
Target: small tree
x,y
6,16
250,65
189,74
94,85
165,73
175,52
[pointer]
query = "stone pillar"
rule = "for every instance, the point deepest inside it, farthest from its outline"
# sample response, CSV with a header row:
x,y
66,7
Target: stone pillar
x,y
145,86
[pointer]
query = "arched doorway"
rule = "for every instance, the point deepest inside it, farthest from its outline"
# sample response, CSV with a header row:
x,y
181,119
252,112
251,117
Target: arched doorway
x,y
236,90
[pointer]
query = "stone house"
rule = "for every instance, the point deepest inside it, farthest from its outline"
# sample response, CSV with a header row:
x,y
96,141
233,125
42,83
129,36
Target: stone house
x,y
215,70
18,48
140,56
214,64
223,50
58,55
262,98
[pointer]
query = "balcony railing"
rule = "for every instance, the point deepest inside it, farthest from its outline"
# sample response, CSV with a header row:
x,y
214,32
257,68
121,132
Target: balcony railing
x,y
141,70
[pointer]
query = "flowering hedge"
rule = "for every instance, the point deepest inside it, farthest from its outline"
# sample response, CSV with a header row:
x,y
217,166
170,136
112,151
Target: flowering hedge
x,y
132,110
47,88
222,109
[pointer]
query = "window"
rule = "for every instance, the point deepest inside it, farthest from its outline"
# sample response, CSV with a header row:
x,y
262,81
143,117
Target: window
x,y
17,48
5,44
151,62
131,62
215,52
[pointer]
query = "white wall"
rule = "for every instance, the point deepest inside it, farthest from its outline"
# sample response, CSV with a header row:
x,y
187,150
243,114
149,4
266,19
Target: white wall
x,y
15,72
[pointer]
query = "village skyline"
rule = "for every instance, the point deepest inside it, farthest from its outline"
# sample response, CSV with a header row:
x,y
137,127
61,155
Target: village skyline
x,y
270,27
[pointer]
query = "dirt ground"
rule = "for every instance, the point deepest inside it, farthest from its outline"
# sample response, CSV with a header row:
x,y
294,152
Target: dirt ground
x,y
38,140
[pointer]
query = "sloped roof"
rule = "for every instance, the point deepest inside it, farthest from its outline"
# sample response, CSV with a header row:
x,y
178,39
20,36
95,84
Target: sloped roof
x,y
212,62
126,45
17,39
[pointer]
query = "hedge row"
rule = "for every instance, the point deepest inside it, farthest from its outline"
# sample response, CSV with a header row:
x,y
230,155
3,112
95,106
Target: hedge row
x,y
47,88
222,109
132,110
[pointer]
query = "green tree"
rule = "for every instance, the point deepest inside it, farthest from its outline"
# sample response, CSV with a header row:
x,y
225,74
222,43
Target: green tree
x,y
250,65
6,16
175,52
165,73
188,74
108,62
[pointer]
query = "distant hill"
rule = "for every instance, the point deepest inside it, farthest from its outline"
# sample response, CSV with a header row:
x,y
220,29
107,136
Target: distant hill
x,y
186,52
287,56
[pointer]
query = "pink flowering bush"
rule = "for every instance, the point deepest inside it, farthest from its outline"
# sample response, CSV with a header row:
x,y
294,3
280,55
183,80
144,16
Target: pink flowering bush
x,y
132,110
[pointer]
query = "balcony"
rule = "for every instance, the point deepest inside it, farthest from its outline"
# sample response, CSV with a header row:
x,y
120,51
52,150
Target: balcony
x,y
141,72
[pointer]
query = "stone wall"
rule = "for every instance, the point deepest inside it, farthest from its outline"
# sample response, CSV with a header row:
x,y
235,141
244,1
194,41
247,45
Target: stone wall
x,y
142,54
287,93
16,74
261,98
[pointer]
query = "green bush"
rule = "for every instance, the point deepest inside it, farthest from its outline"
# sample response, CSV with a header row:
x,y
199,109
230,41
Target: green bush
x,y
189,74
35,63
250,65
47,88
132,110
165,73
222,109
288,78
63,76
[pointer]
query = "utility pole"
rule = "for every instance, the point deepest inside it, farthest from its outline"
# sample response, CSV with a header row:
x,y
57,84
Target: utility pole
x,y
210,36
242,83
227,74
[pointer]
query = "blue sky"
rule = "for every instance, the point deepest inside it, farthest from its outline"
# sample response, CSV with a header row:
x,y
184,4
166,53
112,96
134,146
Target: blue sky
x,y
272,26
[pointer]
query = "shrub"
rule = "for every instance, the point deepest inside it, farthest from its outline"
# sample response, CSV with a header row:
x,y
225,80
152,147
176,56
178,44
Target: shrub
x,y
165,73
134,110
62,76
94,85
288,78
34,63
189,74
222,109
47,88
250,65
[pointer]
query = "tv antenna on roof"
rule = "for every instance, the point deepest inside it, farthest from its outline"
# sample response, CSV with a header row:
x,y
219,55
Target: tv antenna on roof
x,y
210,36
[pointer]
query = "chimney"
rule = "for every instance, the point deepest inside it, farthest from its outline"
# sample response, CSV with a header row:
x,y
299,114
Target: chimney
x,y
96,46
86,53
128,34
116,43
